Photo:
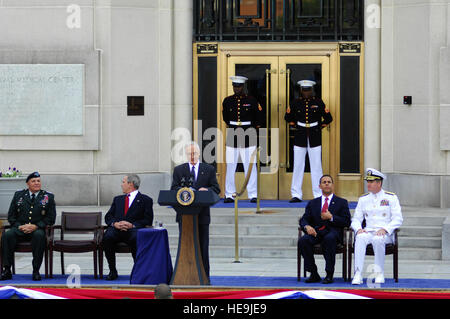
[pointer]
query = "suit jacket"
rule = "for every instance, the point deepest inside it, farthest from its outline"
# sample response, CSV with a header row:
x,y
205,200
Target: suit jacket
x,y
206,177
140,213
338,208
40,213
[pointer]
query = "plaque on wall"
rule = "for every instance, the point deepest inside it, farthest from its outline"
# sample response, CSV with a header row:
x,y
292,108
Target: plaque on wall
x,y
207,48
349,47
41,99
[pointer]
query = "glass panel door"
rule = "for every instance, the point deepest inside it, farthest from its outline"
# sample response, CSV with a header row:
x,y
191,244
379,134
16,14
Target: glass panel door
x,y
263,85
273,82
294,69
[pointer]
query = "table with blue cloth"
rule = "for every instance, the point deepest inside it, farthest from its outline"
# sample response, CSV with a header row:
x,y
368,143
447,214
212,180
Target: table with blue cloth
x,y
153,264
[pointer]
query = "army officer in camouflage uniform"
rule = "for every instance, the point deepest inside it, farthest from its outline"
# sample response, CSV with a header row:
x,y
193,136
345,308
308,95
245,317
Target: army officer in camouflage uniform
x,y
31,210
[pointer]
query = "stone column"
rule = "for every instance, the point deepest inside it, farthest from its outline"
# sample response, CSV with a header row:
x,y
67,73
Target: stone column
x,y
182,76
372,84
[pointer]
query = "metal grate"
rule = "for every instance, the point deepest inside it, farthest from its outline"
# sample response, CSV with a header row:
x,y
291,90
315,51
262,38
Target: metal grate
x,y
278,20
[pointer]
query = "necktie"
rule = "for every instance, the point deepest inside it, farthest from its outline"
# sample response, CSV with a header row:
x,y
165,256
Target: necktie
x,y
193,172
324,209
127,203
33,196
325,206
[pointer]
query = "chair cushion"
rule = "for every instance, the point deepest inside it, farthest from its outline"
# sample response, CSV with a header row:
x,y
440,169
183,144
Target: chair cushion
x,y
122,247
339,249
74,245
23,247
389,249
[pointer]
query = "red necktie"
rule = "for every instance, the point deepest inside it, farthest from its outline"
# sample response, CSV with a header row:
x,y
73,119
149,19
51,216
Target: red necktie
x,y
324,209
325,206
127,203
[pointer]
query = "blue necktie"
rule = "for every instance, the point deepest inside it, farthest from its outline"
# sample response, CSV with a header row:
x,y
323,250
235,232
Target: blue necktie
x,y
193,173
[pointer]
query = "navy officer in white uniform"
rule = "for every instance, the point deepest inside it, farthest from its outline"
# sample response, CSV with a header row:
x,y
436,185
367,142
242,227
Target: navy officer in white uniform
x,y
383,215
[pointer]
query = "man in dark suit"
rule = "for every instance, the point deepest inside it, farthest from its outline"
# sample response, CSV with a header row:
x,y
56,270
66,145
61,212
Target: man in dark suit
x,y
127,214
30,212
323,222
203,177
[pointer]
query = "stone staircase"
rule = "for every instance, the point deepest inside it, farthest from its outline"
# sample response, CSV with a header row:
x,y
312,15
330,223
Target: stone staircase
x,y
274,234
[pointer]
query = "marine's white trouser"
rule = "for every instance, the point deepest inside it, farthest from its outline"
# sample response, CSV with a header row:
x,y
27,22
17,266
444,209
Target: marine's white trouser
x,y
379,248
232,156
315,161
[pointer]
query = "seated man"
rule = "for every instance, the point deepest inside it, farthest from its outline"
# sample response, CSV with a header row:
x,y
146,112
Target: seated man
x,y
323,222
383,214
31,210
127,214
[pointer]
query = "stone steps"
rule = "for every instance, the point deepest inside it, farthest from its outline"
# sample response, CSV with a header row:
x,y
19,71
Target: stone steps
x,y
274,235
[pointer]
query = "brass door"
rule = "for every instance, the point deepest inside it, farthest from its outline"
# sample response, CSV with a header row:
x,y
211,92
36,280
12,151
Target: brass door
x,y
292,70
262,74
273,81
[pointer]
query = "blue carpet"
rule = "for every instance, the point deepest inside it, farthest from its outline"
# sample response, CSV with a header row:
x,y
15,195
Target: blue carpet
x,y
269,204
241,281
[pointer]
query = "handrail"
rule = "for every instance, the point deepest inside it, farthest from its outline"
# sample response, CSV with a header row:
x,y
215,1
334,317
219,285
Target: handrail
x,y
236,201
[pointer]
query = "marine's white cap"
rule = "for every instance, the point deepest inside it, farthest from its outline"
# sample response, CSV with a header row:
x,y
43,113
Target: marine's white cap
x,y
372,174
238,79
306,83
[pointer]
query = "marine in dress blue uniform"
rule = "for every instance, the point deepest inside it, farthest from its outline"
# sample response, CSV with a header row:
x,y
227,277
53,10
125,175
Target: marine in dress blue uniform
x,y
243,116
309,116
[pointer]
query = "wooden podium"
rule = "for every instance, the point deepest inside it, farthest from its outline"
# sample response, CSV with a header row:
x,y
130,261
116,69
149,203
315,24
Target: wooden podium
x,y
189,268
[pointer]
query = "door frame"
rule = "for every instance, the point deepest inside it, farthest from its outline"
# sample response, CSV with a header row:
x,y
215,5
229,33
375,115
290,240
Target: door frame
x,y
285,178
347,185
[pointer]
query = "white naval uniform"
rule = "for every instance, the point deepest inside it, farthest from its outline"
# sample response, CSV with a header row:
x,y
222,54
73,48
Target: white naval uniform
x,y
381,210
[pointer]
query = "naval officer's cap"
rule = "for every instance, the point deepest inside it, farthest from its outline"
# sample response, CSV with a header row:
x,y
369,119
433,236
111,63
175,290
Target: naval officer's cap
x,y
372,175
238,80
33,175
306,84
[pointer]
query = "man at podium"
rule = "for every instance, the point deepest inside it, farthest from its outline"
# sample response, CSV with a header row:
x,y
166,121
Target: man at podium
x,y
200,177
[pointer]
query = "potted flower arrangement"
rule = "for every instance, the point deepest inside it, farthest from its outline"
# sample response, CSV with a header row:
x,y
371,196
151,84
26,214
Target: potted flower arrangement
x,y
10,181
14,172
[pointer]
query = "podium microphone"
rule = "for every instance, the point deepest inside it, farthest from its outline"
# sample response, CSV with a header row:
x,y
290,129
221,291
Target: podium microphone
x,y
183,182
191,181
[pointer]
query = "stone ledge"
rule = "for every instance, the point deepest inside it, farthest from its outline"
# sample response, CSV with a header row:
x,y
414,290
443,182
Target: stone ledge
x,y
446,239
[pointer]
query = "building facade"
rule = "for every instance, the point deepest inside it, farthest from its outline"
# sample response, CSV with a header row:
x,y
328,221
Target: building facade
x,y
154,74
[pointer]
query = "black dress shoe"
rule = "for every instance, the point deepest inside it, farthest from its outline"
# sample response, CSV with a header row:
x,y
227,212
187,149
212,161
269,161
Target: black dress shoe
x,y
313,278
6,274
328,280
228,200
36,276
295,200
113,275
253,200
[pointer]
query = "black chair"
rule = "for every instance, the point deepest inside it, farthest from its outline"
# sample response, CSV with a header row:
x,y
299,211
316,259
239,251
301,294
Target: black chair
x,y
121,248
77,223
25,247
391,249
342,248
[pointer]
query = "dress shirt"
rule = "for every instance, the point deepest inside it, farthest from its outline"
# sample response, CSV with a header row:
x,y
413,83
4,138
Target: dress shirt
x,y
131,197
329,203
196,166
